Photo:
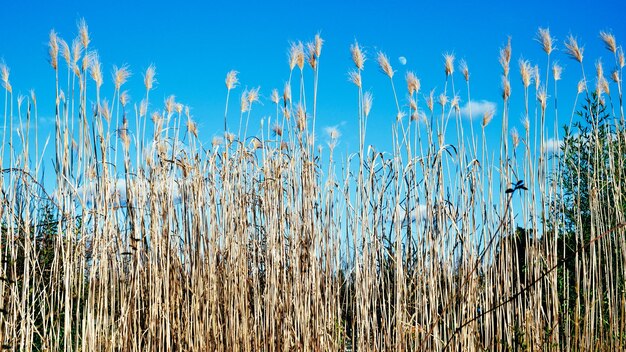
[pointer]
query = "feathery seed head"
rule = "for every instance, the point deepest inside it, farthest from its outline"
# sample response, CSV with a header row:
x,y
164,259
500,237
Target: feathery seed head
x,y
557,70
170,105
83,32
77,50
143,108
449,63
354,76
430,101
286,93
53,45
620,57
615,76
231,79
274,96
217,140
244,104
318,45
455,103
536,77
124,98
120,75
515,137
526,124
506,88
599,69
443,100
296,55
358,56
230,137
400,115
385,66
65,52
505,58
412,104
311,55
123,135
192,127
602,86
542,97
413,83
464,70
609,41
277,130
4,72
105,110
33,97
582,86
255,144
368,100
525,71
179,108
573,50
487,117
253,95
543,37
94,68
148,78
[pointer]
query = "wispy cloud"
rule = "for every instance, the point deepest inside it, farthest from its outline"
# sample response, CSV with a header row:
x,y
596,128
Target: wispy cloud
x,y
553,146
477,108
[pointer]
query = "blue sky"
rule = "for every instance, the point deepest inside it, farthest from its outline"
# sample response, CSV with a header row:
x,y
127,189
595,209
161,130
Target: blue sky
x,y
194,45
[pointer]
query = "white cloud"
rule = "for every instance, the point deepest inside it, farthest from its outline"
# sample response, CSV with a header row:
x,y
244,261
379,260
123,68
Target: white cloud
x,y
553,146
478,108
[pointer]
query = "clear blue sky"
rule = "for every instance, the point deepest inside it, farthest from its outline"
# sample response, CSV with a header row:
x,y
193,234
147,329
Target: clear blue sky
x,y
194,45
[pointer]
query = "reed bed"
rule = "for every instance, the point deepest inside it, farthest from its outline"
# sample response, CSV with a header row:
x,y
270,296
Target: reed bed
x,y
152,241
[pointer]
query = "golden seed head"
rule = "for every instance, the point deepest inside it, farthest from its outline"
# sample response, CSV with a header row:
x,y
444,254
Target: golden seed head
x,y
95,68
599,69
311,55
244,104
230,137
4,72
449,63
557,70
253,95
286,93
536,77
582,86
455,103
120,75
77,50
542,97
355,77
525,71
83,32
368,100
505,58
53,45
506,88
443,100
573,50
217,140
296,55
318,45
192,127
148,78
179,108
464,69
412,82
430,101
543,37
358,56
143,108
609,41
123,135
274,96
385,66
277,130
412,104
487,117
170,104
256,144
515,137
124,98
526,124
615,76
65,52
231,79
620,57
105,111
602,86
